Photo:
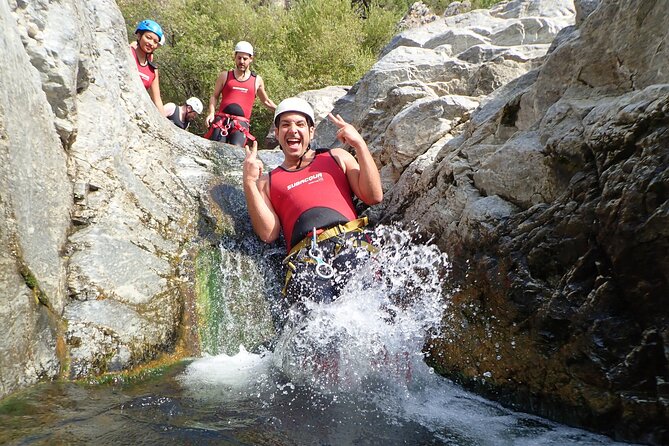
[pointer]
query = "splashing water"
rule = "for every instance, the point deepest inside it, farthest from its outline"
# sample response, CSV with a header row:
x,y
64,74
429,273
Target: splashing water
x,y
353,371
377,327
350,372
372,334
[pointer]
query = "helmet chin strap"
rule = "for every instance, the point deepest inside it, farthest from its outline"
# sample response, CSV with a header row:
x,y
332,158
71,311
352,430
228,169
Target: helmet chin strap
x,y
299,162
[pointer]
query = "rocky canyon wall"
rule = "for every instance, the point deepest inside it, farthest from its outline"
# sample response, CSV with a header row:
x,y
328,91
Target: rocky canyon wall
x,y
99,195
535,152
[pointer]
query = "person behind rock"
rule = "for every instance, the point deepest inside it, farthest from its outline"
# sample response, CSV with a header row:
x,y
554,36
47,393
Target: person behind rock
x,y
149,37
237,89
183,115
309,198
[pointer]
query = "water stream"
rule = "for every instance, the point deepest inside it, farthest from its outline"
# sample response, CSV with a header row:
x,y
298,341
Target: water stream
x,y
348,373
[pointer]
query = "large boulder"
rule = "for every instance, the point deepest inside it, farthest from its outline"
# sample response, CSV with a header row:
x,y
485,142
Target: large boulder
x,y
446,66
100,196
549,197
36,200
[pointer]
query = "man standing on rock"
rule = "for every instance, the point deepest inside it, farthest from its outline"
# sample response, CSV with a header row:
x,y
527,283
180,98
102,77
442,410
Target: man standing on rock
x,y
238,89
309,198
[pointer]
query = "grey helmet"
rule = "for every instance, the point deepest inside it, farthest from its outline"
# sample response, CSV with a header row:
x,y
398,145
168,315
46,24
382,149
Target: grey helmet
x,y
294,104
244,47
195,104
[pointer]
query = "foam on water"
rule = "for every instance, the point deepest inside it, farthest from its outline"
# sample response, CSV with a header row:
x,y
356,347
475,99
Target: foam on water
x,y
377,328
232,373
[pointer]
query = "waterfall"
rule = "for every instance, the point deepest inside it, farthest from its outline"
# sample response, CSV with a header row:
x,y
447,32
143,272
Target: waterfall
x,y
236,287
375,332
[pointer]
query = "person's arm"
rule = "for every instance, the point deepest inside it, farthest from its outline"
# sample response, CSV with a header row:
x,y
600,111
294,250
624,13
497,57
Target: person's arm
x,y
169,108
262,94
362,174
154,92
263,218
213,99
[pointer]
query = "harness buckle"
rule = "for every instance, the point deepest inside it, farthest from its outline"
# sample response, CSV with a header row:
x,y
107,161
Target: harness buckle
x,y
229,123
323,269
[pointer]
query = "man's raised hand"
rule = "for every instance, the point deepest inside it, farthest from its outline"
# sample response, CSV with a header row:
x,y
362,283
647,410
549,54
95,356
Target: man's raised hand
x,y
346,133
253,167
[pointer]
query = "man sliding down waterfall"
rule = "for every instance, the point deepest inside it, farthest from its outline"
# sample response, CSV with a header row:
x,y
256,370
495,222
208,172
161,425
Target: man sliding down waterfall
x,y
309,198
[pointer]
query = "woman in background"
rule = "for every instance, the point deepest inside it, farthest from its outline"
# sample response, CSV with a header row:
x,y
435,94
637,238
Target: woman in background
x,y
149,37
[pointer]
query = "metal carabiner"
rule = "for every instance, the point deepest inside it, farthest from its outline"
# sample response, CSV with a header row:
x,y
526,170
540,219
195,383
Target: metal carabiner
x,y
323,269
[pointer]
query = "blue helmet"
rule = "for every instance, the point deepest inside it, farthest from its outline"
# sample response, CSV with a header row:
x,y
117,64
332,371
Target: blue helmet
x,y
150,25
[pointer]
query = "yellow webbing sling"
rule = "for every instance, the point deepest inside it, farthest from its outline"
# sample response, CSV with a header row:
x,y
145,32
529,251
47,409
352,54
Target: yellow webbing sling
x,y
334,231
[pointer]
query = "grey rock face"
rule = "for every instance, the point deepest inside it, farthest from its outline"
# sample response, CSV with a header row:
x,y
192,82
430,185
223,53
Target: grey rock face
x,y
465,57
548,193
583,9
99,194
35,201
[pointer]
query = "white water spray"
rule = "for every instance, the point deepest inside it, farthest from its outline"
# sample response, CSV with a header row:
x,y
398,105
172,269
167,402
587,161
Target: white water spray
x,y
354,369
374,333
377,327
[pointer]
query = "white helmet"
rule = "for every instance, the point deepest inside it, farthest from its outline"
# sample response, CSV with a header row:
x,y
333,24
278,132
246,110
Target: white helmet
x,y
298,105
195,104
244,47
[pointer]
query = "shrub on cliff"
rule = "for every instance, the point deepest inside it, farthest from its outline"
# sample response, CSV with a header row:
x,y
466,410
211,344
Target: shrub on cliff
x,y
313,44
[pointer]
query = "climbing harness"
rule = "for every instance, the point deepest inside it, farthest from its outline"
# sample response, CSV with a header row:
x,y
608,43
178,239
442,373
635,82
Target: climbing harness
x,y
323,269
308,251
229,124
352,226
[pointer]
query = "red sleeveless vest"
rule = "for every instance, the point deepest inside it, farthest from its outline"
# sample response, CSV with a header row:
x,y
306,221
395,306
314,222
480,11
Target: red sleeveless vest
x,y
146,73
240,93
317,195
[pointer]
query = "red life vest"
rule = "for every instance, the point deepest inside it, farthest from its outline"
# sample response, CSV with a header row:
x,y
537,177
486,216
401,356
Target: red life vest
x,y
147,72
241,93
317,195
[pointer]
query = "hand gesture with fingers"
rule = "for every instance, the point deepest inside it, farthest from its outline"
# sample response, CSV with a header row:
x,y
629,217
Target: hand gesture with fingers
x,y
253,167
346,133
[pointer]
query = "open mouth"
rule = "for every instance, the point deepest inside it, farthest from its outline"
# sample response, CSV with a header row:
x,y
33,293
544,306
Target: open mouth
x,y
294,142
